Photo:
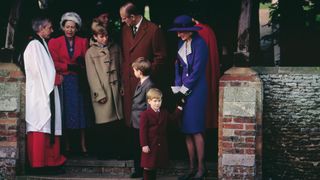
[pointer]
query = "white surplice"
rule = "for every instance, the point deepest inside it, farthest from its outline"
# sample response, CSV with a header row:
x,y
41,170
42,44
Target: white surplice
x,y
40,77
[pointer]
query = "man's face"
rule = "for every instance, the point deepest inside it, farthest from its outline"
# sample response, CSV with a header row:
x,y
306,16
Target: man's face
x,y
104,18
47,30
125,18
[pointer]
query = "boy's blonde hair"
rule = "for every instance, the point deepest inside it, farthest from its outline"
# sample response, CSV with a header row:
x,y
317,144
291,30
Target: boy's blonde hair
x,y
143,65
154,93
98,28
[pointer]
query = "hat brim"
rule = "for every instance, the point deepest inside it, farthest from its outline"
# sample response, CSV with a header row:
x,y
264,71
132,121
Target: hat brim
x,y
194,28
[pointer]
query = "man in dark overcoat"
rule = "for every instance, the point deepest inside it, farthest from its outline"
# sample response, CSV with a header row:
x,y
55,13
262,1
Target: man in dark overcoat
x,y
140,38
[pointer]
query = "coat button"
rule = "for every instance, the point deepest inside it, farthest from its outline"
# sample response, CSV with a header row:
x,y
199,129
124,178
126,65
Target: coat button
x,y
158,144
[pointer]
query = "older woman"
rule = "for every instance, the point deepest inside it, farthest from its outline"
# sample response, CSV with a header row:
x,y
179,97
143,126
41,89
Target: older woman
x,y
190,80
43,113
68,52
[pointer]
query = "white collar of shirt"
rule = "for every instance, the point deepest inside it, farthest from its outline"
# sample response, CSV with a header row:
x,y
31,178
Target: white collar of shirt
x,y
143,79
185,50
139,23
158,110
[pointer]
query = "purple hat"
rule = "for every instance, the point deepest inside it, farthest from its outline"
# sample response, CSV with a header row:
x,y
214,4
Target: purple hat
x,y
184,23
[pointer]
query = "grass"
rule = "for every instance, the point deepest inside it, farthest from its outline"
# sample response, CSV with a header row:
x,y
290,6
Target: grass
x,y
265,5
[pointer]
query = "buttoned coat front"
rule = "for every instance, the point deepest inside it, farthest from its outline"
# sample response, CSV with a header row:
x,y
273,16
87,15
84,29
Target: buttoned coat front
x,y
153,133
149,43
103,71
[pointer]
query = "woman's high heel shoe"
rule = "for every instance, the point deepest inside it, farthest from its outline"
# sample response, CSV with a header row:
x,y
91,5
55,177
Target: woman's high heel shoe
x,y
187,176
199,176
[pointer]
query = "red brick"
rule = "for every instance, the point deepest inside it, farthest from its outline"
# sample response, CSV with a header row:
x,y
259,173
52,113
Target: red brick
x,y
12,139
12,127
227,145
7,132
3,127
12,80
250,139
233,126
244,145
3,115
244,133
250,127
16,74
233,151
8,144
250,151
13,114
227,120
244,120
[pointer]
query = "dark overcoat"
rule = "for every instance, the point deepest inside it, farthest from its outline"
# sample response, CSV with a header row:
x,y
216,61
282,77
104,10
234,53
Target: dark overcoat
x,y
153,133
149,43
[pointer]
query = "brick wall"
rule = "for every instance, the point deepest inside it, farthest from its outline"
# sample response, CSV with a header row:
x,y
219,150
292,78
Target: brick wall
x,y
291,122
11,113
240,117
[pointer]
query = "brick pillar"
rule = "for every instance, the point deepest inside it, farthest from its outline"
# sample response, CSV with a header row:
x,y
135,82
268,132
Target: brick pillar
x,y
11,112
240,121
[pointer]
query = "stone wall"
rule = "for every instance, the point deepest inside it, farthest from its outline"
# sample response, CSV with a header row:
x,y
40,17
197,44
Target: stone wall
x,y
11,113
291,122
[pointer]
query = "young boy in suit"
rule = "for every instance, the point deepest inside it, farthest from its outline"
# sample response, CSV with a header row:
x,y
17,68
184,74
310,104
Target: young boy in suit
x,y
153,138
142,70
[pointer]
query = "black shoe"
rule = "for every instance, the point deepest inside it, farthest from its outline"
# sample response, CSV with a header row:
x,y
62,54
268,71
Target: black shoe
x,y
136,175
55,170
199,176
187,176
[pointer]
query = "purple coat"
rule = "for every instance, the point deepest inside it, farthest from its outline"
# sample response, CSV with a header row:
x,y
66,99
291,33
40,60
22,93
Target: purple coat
x,y
193,76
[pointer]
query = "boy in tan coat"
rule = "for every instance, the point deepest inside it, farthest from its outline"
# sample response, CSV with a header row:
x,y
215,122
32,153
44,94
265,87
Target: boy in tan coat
x,y
103,60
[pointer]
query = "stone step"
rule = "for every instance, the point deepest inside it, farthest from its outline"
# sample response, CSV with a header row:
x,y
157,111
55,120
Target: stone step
x,y
95,177
91,168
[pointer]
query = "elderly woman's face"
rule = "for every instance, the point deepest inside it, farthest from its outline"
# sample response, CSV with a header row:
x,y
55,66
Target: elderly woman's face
x,y
70,28
184,35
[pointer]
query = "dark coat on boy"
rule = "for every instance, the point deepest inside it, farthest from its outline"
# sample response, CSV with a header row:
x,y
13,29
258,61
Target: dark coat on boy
x,y
153,133
139,101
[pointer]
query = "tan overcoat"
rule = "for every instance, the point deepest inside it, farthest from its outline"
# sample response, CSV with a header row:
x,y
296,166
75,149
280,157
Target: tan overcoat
x,y
103,71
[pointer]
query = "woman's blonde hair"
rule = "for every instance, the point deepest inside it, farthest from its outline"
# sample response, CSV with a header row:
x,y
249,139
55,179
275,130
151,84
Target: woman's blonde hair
x,y
154,93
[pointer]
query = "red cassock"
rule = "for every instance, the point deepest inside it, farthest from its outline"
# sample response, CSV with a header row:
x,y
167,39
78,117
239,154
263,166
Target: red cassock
x,y
153,133
212,75
41,153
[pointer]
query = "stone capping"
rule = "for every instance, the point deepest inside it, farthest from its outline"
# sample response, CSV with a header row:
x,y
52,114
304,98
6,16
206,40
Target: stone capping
x,y
286,70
